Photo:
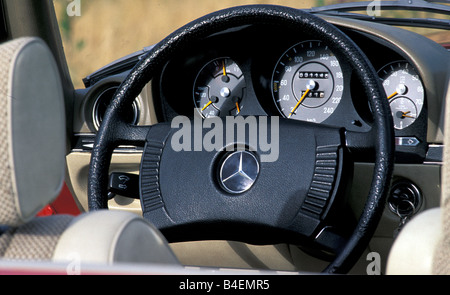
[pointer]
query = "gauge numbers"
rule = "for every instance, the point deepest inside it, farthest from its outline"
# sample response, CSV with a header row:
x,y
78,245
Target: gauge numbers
x,y
405,92
308,82
219,89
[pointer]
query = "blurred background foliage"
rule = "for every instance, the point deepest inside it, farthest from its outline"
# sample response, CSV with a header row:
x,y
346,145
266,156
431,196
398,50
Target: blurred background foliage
x,y
110,29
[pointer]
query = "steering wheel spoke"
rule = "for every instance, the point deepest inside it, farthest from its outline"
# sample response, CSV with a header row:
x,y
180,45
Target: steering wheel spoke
x,y
361,145
128,134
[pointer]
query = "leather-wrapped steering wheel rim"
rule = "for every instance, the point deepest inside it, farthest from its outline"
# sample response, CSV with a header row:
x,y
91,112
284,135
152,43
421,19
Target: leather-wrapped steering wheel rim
x,y
109,135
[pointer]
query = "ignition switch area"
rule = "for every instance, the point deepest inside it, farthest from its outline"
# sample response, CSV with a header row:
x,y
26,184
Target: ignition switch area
x,y
405,198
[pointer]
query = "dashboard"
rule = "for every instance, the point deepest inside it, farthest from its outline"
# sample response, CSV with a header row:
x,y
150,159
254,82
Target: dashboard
x,y
265,71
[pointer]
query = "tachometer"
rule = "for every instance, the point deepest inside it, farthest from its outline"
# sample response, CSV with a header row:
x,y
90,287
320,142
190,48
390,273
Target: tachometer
x,y
219,89
405,92
308,82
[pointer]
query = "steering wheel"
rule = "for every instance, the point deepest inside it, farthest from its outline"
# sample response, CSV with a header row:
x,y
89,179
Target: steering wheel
x,y
192,195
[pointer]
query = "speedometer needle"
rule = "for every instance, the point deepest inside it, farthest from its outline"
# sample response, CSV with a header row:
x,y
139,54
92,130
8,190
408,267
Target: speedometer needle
x,y
299,102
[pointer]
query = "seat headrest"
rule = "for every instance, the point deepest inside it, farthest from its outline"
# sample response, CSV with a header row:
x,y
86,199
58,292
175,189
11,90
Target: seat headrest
x,y
32,130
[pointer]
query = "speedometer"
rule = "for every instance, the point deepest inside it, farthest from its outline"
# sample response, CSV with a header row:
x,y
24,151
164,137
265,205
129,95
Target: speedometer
x,y
308,82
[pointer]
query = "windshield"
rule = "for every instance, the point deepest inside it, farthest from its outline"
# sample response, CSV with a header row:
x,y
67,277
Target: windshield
x,y
98,32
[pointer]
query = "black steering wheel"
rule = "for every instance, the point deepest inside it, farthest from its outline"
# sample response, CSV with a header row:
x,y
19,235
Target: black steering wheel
x,y
193,195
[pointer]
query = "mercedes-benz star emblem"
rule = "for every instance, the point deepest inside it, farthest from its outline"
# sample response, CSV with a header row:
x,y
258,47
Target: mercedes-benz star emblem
x,y
239,172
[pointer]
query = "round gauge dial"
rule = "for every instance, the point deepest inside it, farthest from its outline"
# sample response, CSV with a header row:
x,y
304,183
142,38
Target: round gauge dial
x,y
404,112
405,92
219,89
307,82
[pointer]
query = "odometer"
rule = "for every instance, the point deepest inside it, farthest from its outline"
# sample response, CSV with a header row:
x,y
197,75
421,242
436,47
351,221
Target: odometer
x,y
307,83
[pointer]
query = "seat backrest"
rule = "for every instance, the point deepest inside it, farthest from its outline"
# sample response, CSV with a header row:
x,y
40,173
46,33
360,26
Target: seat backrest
x,y
32,169
32,130
441,261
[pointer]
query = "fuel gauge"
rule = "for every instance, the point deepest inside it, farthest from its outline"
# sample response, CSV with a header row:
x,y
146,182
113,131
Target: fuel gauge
x,y
405,92
219,89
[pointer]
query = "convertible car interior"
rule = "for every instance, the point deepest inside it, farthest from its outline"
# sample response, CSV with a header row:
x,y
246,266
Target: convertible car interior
x,y
254,138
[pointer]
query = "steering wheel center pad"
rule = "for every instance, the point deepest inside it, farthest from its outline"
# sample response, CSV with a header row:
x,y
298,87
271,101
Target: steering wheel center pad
x,y
182,190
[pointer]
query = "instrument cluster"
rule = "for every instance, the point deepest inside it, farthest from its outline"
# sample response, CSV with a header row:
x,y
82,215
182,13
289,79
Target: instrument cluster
x,y
296,77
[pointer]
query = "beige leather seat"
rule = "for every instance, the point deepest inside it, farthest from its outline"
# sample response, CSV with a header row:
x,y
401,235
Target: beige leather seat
x,y
32,167
413,251
423,246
